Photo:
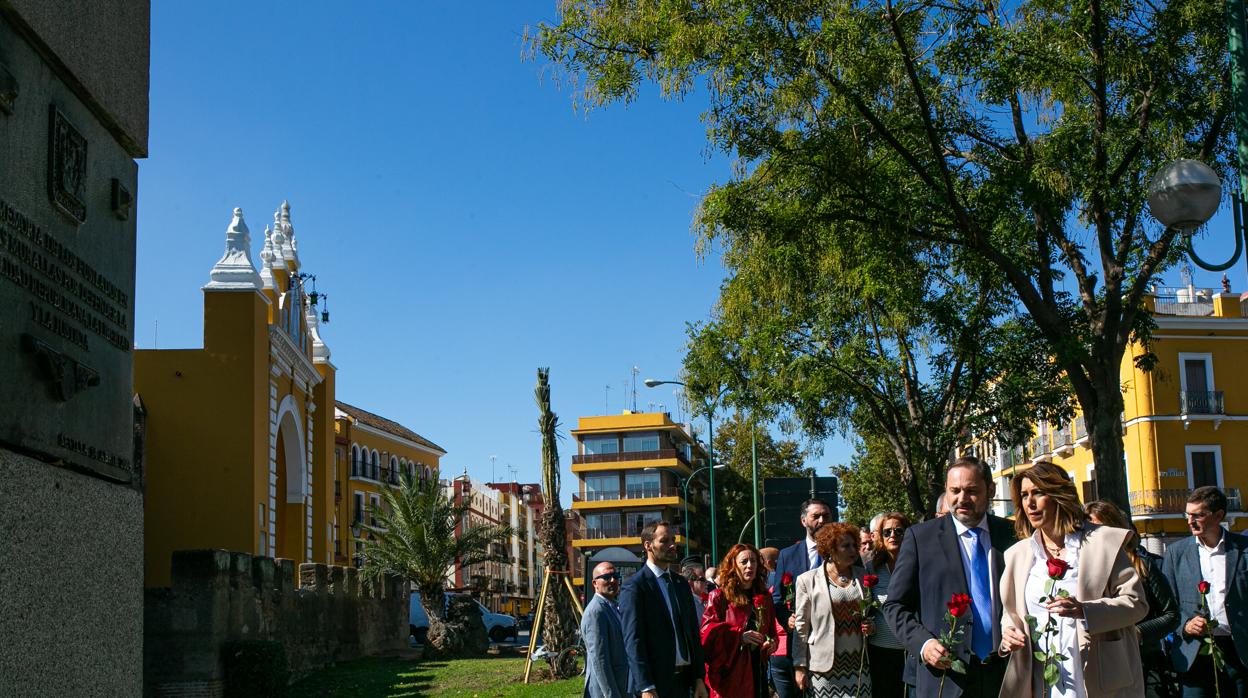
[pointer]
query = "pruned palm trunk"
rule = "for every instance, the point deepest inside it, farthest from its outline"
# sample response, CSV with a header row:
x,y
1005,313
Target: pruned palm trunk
x,y
558,622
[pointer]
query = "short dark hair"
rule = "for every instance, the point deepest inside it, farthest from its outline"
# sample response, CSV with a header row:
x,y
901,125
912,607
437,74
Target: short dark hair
x,y
972,463
815,501
647,531
1210,496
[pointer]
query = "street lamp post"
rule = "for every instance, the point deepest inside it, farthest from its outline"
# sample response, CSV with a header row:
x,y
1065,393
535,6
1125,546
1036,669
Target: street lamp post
x,y
710,450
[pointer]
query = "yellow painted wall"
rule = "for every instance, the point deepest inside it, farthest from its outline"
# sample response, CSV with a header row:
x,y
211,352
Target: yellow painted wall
x,y
206,428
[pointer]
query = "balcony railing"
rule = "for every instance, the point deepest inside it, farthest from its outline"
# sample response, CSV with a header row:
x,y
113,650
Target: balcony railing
x,y
614,532
368,471
1201,402
662,453
1174,501
1197,302
1038,446
1081,428
629,493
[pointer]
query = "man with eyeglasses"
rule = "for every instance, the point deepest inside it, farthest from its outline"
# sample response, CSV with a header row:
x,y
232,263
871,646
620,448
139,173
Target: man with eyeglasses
x,y
606,664
1213,559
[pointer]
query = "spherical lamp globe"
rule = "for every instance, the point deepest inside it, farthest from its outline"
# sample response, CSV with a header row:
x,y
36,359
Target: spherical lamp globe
x,y
1184,194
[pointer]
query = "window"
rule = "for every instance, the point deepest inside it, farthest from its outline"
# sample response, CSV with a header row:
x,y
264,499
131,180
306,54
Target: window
x,y
356,461
641,485
1204,466
637,443
393,475
600,445
638,521
359,507
602,525
1196,382
600,487
375,501
374,466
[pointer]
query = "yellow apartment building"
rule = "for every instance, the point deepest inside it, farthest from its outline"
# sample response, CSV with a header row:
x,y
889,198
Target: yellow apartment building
x,y
241,434
1185,423
371,453
632,469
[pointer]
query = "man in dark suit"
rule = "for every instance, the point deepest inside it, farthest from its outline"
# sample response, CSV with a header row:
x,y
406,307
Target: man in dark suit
x,y
661,635
962,553
794,561
1217,557
606,665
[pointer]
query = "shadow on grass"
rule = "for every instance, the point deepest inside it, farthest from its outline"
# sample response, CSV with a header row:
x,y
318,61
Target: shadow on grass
x,y
486,677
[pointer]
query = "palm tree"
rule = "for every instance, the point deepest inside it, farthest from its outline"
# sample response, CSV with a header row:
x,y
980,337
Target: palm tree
x,y
420,533
559,623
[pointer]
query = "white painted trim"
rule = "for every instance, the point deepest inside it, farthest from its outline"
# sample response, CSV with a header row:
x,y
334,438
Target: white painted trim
x,y
1240,337
296,362
398,439
296,488
1207,357
1168,322
1217,462
1189,418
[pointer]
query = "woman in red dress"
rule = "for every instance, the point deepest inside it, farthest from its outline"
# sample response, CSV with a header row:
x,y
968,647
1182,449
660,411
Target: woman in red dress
x,y
738,627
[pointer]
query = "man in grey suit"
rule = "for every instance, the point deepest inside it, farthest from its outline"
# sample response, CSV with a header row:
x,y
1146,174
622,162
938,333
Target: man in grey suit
x,y
1215,556
606,665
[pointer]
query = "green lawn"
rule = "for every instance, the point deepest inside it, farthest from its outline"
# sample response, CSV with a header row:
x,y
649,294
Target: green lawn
x,y
494,677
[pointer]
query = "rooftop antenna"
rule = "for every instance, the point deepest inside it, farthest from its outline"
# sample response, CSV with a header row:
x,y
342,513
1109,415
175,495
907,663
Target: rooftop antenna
x,y
635,372
513,470
606,399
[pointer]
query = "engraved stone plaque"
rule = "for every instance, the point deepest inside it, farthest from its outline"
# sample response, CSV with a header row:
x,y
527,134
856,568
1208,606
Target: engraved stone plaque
x,y
67,250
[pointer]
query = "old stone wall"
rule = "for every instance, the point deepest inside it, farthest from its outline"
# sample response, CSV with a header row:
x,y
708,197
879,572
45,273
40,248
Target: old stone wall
x,y
321,615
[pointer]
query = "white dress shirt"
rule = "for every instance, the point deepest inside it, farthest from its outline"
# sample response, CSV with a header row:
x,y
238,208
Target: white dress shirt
x,y
681,660
1070,671
812,553
1213,570
965,541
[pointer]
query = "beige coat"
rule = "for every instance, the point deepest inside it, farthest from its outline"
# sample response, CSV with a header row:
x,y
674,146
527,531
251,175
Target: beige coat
x,y
1113,600
814,626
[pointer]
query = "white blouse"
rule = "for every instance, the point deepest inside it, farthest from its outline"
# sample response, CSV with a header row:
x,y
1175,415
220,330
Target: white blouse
x,y
1070,678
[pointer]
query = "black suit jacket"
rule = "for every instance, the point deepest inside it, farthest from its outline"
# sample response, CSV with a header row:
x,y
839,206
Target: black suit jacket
x,y
793,560
649,640
928,572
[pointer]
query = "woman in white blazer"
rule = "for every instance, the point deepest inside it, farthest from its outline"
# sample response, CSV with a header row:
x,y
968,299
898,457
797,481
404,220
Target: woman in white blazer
x,y
1078,574
829,632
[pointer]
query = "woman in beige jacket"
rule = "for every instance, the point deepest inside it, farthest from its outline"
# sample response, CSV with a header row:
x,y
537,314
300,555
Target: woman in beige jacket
x,y
1073,584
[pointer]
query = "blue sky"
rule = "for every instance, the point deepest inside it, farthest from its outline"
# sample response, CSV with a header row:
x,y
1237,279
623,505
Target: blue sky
x,y
467,224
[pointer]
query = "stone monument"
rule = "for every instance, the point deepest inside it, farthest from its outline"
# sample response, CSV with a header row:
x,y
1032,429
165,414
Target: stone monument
x,y
73,119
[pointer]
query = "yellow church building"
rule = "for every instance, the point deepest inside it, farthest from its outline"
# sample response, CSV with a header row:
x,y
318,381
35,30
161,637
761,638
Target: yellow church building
x,y
243,447
1185,422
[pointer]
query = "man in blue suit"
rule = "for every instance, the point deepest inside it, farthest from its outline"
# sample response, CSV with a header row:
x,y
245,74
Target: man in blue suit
x,y
1216,556
661,635
602,629
961,553
794,560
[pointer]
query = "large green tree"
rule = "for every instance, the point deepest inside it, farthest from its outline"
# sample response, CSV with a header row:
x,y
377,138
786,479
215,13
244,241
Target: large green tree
x,y
1020,136
421,533
869,484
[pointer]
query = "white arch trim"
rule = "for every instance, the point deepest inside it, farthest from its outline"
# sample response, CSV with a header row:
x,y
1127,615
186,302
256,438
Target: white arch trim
x,y
295,465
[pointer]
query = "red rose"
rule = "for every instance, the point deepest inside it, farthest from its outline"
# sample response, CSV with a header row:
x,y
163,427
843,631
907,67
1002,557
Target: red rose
x,y
760,601
870,580
786,579
958,605
1058,568
1203,587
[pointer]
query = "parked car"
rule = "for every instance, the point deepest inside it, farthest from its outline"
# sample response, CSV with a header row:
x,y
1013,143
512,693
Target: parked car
x,y
498,626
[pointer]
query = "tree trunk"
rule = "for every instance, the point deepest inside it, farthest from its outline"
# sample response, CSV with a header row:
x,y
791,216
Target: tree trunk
x,y
1102,410
559,624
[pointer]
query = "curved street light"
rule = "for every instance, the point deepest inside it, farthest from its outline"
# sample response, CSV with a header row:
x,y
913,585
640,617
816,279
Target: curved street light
x,y
1184,195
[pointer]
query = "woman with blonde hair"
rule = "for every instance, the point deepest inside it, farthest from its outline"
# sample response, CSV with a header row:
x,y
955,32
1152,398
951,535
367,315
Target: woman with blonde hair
x,y
739,627
1070,585
1163,609
829,632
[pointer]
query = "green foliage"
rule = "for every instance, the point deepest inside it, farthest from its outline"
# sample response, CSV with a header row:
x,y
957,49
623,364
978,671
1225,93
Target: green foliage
x,y
415,538
965,148
734,497
869,484
255,669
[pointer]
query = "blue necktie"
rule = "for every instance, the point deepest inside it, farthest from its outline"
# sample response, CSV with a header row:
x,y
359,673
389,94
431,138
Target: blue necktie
x,y
981,598
818,561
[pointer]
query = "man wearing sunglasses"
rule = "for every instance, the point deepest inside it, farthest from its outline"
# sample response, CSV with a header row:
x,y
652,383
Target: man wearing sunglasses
x,y
606,664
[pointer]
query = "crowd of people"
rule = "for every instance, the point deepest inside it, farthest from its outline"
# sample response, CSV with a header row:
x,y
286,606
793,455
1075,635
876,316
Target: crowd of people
x,y
1061,602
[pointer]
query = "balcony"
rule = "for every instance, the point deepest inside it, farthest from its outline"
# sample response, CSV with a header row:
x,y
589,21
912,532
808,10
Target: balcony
x,y
1037,447
1081,429
1186,300
1174,501
629,497
1201,402
587,537
365,470
1063,441
661,454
